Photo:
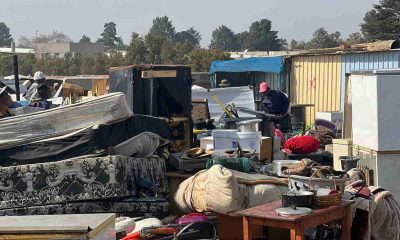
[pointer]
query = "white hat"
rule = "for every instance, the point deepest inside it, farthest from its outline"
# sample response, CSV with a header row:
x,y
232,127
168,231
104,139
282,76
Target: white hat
x,y
3,89
39,75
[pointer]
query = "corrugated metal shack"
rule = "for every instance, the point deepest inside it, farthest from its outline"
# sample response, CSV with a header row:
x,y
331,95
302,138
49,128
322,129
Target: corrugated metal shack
x,y
319,77
315,77
251,72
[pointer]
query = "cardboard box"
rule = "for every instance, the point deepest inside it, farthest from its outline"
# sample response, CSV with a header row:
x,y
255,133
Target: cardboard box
x,y
341,147
266,149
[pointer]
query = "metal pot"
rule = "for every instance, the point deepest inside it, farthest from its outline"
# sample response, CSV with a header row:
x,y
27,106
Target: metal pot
x,y
249,125
297,199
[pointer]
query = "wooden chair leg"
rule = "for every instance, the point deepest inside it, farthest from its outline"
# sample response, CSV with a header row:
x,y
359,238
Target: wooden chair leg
x,y
346,224
297,233
247,229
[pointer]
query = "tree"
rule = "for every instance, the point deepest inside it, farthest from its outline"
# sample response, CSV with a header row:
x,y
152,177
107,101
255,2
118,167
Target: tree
x,y
154,45
85,39
59,37
223,38
323,39
114,60
355,38
383,21
284,44
190,37
109,36
162,27
87,65
5,36
54,37
136,50
6,64
298,45
241,40
200,59
25,42
261,37
26,64
99,67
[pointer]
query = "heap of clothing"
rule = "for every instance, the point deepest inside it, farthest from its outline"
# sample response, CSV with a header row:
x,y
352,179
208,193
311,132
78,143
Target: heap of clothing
x,y
308,168
322,134
375,215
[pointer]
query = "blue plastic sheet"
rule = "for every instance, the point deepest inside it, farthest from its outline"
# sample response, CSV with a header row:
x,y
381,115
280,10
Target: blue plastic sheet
x,y
255,64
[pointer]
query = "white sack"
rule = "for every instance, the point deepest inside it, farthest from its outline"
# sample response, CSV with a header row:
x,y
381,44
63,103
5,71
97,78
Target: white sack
x,y
218,190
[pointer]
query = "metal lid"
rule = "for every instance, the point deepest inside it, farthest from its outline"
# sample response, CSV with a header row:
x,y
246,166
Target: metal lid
x,y
250,121
298,193
290,211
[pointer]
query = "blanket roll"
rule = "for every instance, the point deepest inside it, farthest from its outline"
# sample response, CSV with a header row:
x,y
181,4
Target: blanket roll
x,y
218,190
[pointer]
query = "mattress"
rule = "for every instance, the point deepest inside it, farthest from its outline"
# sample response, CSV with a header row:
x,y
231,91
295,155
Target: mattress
x,y
80,179
34,127
134,207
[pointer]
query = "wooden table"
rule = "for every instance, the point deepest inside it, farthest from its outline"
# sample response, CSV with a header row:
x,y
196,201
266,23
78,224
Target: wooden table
x,y
265,215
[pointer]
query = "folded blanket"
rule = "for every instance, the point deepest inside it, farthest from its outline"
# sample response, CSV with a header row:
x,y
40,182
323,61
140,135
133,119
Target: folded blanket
x,y
383,221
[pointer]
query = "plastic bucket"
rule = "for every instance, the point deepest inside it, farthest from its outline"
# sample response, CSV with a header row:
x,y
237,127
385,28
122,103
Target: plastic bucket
x,y
249,140
225,139
348,162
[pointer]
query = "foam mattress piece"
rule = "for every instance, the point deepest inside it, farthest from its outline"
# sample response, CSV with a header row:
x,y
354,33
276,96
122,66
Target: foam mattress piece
x,y
23,129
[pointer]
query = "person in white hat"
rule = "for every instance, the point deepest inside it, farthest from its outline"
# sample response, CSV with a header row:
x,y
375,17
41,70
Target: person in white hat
x,y
38,78
224,83
5,103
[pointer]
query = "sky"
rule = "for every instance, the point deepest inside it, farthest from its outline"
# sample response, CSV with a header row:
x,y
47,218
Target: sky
x,y
293,19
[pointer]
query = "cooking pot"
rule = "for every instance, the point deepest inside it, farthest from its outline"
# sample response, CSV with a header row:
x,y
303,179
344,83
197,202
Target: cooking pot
x,y
249,125
297,199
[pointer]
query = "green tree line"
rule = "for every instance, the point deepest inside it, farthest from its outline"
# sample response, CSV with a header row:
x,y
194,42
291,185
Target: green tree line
x,y
163,44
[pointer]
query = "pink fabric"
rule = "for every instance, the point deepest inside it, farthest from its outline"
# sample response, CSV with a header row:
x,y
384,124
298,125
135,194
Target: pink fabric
x,y
279,134
263,87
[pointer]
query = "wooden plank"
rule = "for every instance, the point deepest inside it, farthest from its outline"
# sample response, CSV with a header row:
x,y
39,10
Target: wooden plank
x,y
247,231
346,221
347,114
273,223
159,74
72,236
99,86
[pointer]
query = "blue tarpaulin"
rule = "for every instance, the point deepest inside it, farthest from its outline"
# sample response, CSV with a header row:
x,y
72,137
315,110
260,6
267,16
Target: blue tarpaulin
x,y
255,64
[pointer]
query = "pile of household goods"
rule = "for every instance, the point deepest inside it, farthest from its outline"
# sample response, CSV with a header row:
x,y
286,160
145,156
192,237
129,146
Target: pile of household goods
x,y
90,157
192,227
375,214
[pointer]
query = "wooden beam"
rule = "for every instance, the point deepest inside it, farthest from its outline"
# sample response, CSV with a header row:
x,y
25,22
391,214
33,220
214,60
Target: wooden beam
x,y
159,74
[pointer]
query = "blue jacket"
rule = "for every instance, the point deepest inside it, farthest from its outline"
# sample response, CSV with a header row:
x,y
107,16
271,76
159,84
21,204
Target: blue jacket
x,y
275,102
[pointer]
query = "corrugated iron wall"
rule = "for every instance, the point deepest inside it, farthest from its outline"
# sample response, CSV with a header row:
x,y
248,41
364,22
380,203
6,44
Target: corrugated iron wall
x,y
368,61
316,80
276,81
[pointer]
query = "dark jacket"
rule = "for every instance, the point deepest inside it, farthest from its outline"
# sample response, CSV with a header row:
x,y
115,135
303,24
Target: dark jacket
x,y
275,102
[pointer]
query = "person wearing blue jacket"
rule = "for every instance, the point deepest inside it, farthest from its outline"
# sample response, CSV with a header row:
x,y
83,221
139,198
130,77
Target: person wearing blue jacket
x,y
277,103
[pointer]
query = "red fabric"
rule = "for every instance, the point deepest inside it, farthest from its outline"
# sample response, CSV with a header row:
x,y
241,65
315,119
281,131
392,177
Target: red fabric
x,y
302,145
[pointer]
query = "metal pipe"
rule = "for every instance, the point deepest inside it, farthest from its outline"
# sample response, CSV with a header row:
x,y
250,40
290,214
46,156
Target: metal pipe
x,y
16,76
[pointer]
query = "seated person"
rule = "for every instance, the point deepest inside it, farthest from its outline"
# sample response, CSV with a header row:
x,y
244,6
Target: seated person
x,y
39,99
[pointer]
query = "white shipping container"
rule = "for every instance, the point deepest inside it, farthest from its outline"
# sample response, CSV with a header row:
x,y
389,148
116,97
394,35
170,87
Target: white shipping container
x,y
376,109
